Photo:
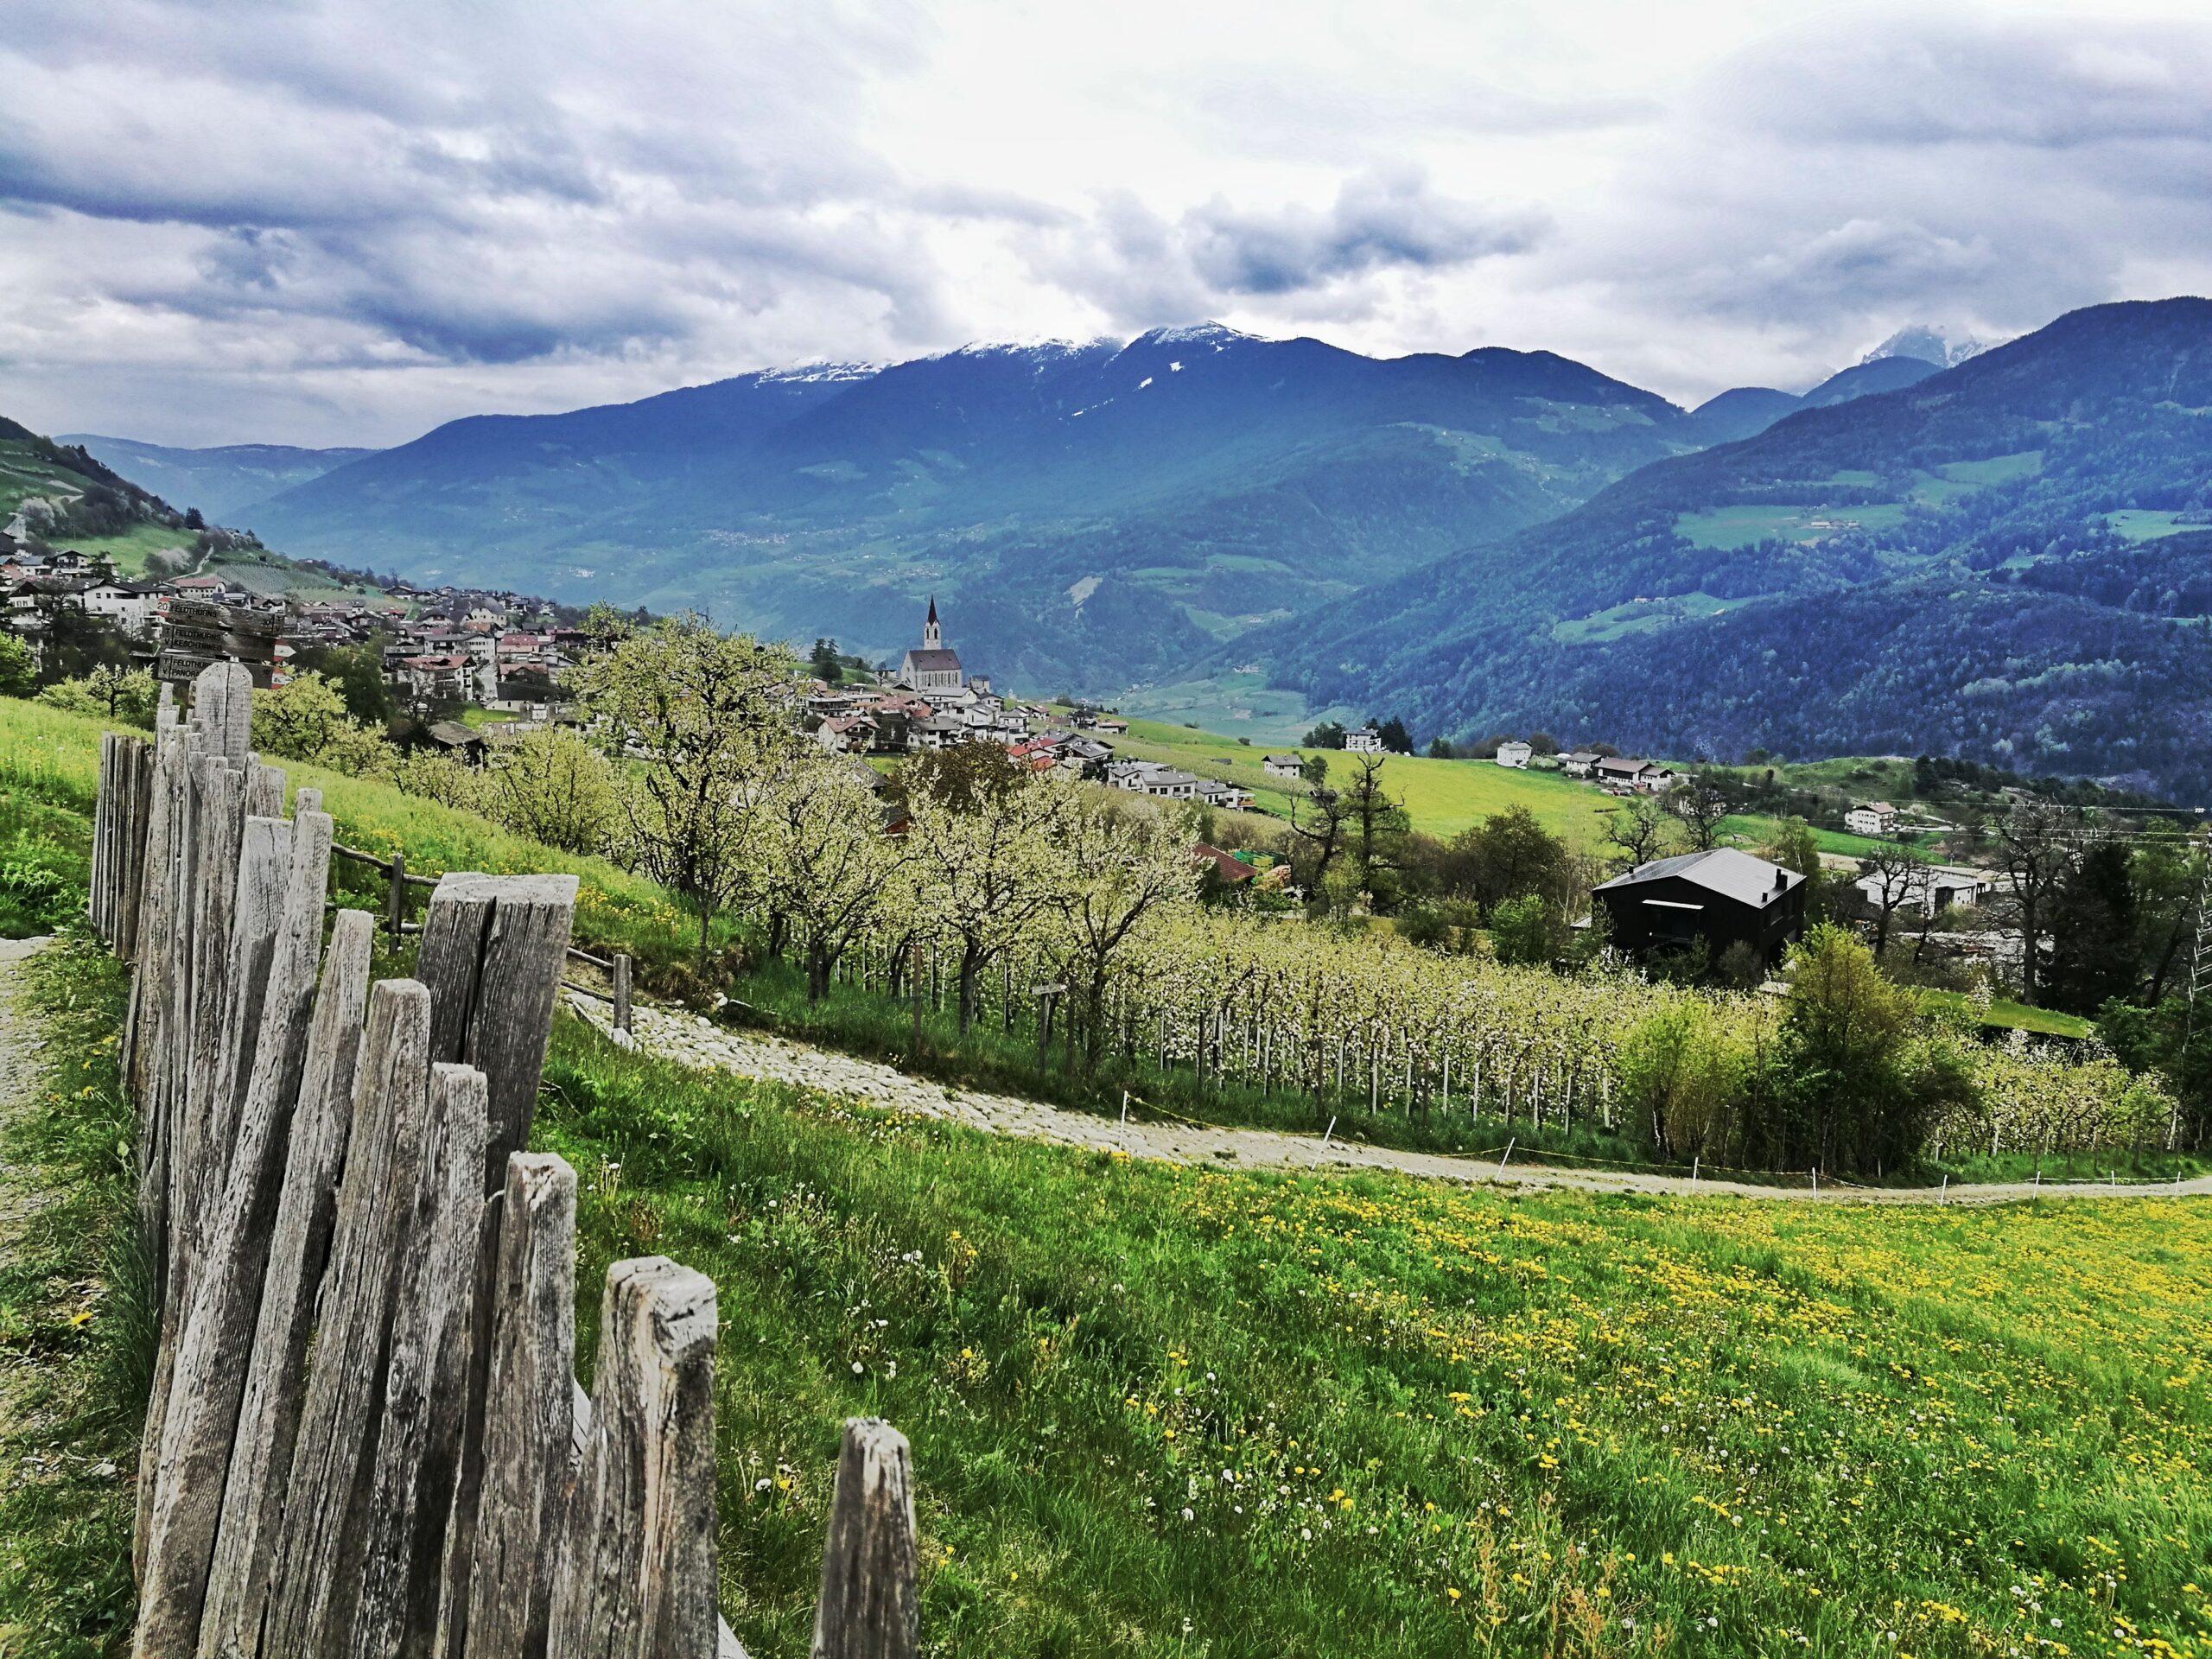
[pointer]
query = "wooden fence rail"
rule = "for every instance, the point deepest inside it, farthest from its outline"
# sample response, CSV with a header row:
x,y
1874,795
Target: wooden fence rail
x,y
365,1438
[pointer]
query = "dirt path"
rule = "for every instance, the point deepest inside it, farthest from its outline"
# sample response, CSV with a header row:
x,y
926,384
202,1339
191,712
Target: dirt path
x,y
20,1043
690,1040
22,1194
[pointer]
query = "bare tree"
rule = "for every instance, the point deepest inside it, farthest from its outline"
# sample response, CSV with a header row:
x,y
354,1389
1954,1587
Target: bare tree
x,y
2036,845
1699,803
1892,876
1639,829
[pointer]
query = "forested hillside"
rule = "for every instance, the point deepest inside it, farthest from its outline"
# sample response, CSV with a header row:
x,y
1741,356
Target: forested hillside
x,y
218,481
1999,560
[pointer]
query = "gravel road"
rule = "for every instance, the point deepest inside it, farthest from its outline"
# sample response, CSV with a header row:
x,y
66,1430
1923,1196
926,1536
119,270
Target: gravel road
x,y
691,1041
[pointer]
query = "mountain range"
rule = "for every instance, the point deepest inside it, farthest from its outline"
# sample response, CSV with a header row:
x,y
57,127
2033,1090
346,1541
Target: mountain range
x,y
1097,514
2010,559
1943,548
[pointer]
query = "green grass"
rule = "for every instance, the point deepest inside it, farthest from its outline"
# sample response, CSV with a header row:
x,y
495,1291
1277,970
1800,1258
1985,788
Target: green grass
x,y
1611,1424
2147,524
1442,797
1241,704
45,860
133,548
55,757
1741,526
77,1329
2016,1016
1637,616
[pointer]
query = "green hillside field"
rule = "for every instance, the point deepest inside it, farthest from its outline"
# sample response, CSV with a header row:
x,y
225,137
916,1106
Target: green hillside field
x,y
1234,1413
1442,797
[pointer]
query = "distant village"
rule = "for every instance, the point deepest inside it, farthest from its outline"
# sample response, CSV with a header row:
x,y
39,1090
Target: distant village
x,y
445,649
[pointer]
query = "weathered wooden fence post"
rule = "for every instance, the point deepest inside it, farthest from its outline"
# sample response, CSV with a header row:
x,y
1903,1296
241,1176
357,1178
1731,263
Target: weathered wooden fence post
x,y
868,1608
500,1579
269,1411
419,1431
188,1465
395,896
637,1570
492,952
365,1439
314,1580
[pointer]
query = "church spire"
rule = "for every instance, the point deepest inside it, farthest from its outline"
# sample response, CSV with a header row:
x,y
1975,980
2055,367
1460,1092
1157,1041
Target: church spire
x,y
932,636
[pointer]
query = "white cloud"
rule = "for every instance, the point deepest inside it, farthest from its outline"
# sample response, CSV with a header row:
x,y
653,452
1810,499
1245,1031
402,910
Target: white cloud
x,y
342,221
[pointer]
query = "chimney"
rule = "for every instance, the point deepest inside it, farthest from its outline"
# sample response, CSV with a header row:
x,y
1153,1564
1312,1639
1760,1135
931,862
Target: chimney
x,y
1781,879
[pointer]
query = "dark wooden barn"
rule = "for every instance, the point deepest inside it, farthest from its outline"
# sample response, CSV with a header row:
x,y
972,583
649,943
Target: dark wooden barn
x,y
1723,897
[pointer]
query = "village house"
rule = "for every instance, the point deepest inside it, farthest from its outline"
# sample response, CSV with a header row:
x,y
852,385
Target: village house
x,y
1581,763
935,732
1282,766
1514,752
134,607
847,734
1226,868
1872,818
436,677
1930,890
462,742
1363,741
1229,798
1723,897
1151,778
1083,756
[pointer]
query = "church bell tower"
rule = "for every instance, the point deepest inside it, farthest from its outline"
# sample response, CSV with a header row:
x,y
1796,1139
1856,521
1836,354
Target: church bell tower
x,y
931,636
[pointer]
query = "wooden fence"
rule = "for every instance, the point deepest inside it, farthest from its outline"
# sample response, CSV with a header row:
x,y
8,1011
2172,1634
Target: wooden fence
x,y
365,1437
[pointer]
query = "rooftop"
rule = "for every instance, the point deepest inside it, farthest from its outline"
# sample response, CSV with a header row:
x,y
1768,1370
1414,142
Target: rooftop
x,y
1724,870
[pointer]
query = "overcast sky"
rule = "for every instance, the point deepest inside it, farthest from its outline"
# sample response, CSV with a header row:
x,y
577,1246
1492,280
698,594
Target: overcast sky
x,y
345,222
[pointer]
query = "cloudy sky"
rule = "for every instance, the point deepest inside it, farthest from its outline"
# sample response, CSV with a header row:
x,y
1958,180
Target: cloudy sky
x,y
342,221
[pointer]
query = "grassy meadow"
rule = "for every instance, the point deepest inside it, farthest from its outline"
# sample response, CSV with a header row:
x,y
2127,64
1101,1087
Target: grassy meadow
x,y
1442,798
1170,1411
50,755
77,1325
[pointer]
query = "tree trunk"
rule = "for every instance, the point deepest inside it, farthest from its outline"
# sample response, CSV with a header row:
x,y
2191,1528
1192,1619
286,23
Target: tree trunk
x,y
817,971
971,966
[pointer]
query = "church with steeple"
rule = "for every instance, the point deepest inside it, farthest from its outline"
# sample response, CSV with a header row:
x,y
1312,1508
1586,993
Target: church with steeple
x,y
932,666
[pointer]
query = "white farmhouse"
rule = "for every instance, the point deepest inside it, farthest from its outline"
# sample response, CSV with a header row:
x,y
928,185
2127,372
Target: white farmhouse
x,y
1870,819
1514,752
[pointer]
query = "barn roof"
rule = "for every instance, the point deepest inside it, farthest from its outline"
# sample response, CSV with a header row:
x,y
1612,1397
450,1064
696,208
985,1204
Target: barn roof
x,y
1724,870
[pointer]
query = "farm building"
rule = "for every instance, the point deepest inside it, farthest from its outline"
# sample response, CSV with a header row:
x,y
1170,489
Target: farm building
x,y
1722,896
